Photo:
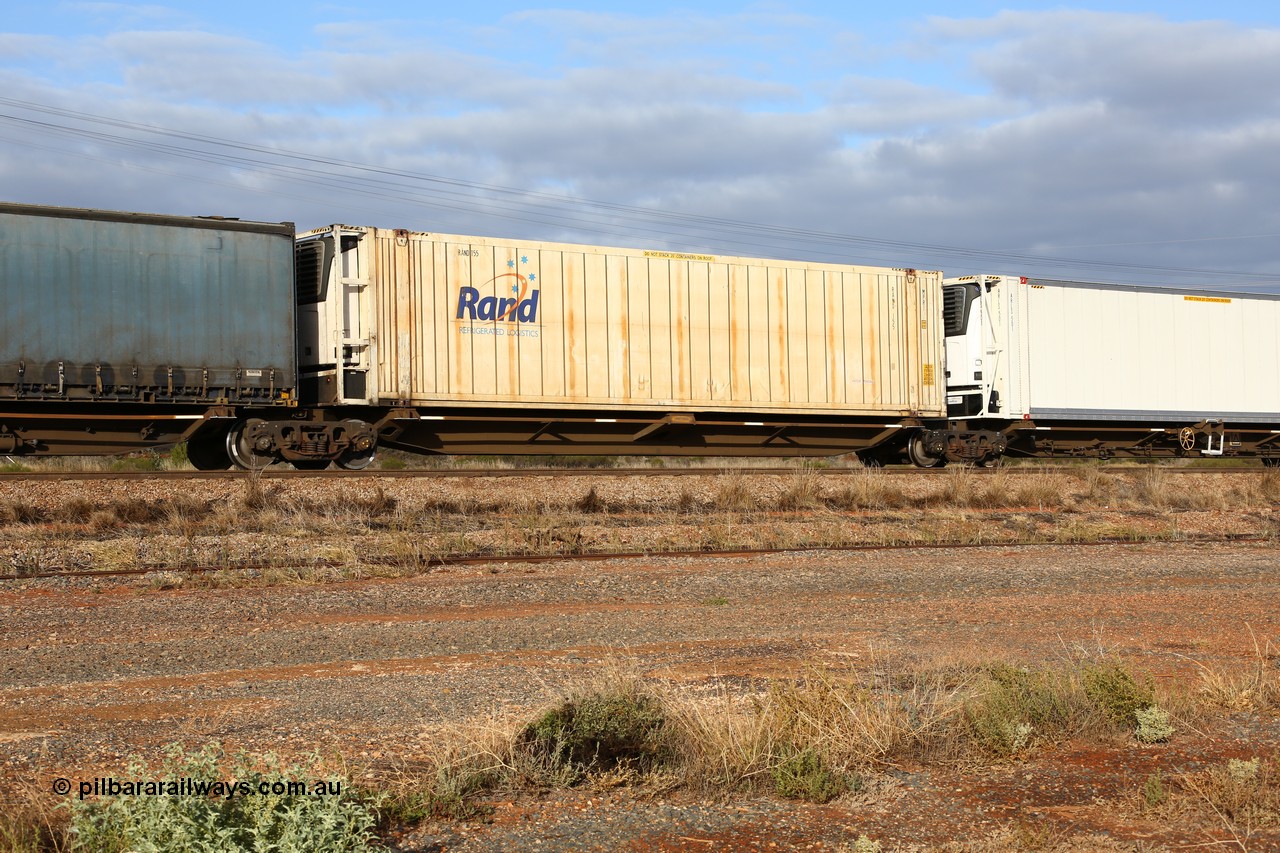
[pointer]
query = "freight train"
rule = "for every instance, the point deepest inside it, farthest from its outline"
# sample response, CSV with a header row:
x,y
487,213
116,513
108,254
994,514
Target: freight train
x,y
254,344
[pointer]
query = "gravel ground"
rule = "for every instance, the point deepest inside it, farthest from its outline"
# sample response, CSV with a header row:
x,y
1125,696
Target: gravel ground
x,y
95,671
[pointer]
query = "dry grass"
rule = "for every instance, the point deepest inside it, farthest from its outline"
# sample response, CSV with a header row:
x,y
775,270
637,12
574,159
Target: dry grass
x,y
454,765
735,493
1252,687
1236,797
398,529
871,488
826,731
30,822
851,720
806,490
803,491
1244,794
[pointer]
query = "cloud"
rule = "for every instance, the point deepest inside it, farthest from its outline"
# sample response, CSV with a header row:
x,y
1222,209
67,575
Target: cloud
x,y
1181,73
1020,132
182,66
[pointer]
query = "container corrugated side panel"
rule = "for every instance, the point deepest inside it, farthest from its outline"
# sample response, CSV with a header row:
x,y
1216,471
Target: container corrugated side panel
x,y
92,289
1119,352
593,327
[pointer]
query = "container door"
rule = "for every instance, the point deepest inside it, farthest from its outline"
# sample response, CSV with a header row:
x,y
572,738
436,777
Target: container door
x,y
333,316
352,268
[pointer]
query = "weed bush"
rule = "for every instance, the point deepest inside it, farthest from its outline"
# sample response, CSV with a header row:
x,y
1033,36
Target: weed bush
x,y
18,511
600,731
1256,686
449,795
801,774
803,492
147,460
250,821
1016,704
735,494
592,502
871,489
178,458
687,503
27,825
1116,693
863,844
857,719
1153,792
257,497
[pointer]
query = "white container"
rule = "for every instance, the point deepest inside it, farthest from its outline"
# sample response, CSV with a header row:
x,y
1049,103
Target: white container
x,y
1057,350
440,320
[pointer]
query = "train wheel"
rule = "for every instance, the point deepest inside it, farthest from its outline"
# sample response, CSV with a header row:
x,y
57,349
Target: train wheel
x,y
919,458
241,449
357,460
208,451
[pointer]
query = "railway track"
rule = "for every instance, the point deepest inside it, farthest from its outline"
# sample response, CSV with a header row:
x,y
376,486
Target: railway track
x,y
475,473
473,559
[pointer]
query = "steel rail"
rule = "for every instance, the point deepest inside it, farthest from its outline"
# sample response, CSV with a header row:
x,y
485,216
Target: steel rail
x,y
475,473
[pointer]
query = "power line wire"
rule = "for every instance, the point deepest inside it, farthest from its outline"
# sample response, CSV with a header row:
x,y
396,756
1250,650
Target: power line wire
x,y
539,207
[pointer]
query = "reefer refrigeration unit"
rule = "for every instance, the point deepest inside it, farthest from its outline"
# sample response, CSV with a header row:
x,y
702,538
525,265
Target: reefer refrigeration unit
x,y
653,341
1097,369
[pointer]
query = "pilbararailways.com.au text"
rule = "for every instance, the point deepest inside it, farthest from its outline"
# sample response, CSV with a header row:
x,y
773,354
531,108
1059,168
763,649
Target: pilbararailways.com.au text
x,y
188,787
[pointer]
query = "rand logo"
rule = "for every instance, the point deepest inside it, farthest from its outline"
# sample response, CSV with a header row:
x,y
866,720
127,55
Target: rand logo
x,y
517,304
508,297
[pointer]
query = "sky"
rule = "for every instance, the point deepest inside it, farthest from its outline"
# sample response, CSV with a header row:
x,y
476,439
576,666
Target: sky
x,y
1125,142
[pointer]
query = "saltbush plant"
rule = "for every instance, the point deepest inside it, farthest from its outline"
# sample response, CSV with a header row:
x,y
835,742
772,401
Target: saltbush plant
x,y
1154,725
